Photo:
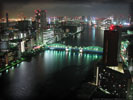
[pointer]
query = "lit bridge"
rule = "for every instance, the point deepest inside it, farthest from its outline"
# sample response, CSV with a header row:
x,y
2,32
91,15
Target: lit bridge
x,y
67,48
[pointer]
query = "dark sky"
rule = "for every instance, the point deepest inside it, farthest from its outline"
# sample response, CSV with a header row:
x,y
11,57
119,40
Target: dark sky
x,y
67,7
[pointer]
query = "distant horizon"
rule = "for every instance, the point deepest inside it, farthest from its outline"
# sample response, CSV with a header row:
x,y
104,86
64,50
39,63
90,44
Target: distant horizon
x,y
67,9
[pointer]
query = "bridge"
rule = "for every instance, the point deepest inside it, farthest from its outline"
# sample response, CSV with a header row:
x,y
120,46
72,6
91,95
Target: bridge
x,y
68,48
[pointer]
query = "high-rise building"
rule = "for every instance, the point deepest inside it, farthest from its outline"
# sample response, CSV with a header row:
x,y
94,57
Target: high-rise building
x,y
41,24
112,81
40,19
37,18
110,52
43,19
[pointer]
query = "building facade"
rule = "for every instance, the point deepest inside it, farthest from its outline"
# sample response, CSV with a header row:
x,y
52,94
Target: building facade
x,y
110,52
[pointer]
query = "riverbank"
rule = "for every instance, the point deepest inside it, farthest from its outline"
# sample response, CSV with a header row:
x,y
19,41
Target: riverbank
x,y
26,56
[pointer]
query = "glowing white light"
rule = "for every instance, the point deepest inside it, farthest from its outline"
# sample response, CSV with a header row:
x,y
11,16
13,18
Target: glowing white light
x,y
81,50
12,68
114,23
67,49
24,34
126,23
22,46
15,37
7,71
21,35
93,21
86,20
131,68
97,75
49,20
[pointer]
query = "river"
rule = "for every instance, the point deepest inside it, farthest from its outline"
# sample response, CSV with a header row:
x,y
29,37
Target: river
x,y
53,74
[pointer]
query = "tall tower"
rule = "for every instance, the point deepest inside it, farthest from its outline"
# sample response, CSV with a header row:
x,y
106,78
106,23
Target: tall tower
x,y
40,19
111,48
37,18
43,19
40,25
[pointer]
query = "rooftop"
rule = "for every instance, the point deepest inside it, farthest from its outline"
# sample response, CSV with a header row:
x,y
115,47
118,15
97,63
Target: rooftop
x,y
118,68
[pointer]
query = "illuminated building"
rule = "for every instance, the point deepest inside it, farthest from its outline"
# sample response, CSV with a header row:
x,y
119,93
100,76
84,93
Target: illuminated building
x,y
41,25
130,51
3,59
113,76
112,80
4,46
48,37
43,19
127,57
40,19
7,53
22,46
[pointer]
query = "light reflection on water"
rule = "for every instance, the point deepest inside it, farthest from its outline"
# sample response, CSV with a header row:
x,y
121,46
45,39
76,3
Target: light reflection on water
x,y
51,72
47,65
92,36
59,59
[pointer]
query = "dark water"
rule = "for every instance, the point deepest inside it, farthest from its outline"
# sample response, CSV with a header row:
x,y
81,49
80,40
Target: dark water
x,y
52,74
90,37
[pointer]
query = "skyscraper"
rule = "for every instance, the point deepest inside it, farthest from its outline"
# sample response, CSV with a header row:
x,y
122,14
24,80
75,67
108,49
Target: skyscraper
x,y
43,19
41,24
40,16
111,48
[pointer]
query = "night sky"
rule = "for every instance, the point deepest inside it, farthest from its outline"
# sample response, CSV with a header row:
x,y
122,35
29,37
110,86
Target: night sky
x,y
99,8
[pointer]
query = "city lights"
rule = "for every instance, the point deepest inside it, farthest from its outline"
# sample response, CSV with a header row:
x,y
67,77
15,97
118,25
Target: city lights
x,y
22,46
112,27
61,50
93,49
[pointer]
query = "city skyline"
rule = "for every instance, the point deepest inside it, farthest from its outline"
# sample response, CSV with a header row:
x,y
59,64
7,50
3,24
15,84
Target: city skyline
x,y
66,50
67,8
